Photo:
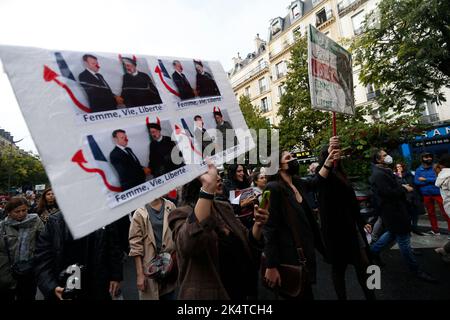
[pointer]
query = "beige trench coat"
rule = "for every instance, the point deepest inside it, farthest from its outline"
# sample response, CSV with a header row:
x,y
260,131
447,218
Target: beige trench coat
x,y
143,244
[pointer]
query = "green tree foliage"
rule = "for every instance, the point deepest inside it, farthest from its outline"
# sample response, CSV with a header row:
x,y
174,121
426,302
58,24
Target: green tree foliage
x,y
405,52
359,138
18,168
299,123
252,115
254,119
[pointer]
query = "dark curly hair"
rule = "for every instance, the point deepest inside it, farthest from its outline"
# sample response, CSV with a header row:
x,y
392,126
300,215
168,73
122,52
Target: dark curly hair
x,y
14,203
190,192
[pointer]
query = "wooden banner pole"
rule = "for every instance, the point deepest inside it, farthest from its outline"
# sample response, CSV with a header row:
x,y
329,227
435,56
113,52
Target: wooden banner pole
x,y
334,134
334,124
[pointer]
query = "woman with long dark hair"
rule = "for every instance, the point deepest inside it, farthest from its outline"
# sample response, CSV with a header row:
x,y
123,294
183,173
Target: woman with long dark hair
x,y
292,233
239,180
47,205
259,183
343,228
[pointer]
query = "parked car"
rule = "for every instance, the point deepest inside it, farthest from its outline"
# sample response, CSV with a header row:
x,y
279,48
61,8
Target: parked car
x,y
364,197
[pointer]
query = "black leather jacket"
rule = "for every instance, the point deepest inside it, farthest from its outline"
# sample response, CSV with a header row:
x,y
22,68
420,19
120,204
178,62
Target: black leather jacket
x,y
99,253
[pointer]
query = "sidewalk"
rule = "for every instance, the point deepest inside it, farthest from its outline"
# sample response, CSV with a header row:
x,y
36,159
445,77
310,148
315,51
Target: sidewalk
x,y
429,241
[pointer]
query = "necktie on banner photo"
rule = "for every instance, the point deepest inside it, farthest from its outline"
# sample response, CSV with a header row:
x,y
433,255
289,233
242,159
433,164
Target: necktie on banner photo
x,y
186,81
132,155
102,80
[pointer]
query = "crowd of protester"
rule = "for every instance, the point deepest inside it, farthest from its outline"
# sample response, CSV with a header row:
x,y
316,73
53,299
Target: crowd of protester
x,y
226,236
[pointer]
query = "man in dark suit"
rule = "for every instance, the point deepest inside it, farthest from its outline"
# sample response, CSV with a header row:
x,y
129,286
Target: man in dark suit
x,y
161,149
225,129
202,138
97,89
184,88
137,87
127,165
206,86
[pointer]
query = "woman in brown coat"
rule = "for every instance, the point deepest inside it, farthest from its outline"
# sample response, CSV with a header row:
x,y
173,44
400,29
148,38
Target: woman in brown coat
x,y
150,235
215,251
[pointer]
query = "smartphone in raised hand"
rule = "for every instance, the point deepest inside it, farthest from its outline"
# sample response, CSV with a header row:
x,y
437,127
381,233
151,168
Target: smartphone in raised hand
x,y
265,199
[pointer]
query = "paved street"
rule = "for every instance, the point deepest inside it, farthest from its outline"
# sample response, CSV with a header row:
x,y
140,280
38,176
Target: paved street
x,y
396,281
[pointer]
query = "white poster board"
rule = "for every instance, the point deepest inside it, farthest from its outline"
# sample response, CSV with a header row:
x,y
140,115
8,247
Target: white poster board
x,y
115,131
39,187
330,74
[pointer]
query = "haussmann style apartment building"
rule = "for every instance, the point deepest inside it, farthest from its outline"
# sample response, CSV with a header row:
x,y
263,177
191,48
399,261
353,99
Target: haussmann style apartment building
x,y
260,75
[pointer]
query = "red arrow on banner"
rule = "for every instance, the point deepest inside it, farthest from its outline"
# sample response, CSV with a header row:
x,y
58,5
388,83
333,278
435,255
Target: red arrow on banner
x,y
158,71
179,131
81,160
50,75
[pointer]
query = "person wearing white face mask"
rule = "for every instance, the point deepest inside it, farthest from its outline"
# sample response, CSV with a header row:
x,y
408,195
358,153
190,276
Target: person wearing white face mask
x,y
391,198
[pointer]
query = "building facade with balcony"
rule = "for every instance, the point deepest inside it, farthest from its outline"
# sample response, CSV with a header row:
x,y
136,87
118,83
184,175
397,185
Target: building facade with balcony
x,y
7,143
6,139
261,74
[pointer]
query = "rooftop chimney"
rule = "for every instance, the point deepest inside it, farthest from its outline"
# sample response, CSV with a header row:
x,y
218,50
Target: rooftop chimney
x,y
258,43
237,60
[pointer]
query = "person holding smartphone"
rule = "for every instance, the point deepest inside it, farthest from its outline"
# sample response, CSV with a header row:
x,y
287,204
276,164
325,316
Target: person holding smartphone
x,y
259,184
215,252
238,183
292,227
343,228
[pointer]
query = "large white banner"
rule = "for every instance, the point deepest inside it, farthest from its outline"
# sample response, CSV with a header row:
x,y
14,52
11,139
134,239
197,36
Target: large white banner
x,y
115,131
330,74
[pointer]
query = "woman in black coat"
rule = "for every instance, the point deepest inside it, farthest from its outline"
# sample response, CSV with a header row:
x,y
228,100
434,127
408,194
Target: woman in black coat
x,y
414,199
391,196
99,253
343,229
291,223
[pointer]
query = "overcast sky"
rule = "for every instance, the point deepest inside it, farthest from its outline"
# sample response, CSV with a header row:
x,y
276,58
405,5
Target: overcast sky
x,y
209,29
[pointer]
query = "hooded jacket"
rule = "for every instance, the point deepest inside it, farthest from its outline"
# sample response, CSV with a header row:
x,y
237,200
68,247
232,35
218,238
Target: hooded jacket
x,y
427,188
443,182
